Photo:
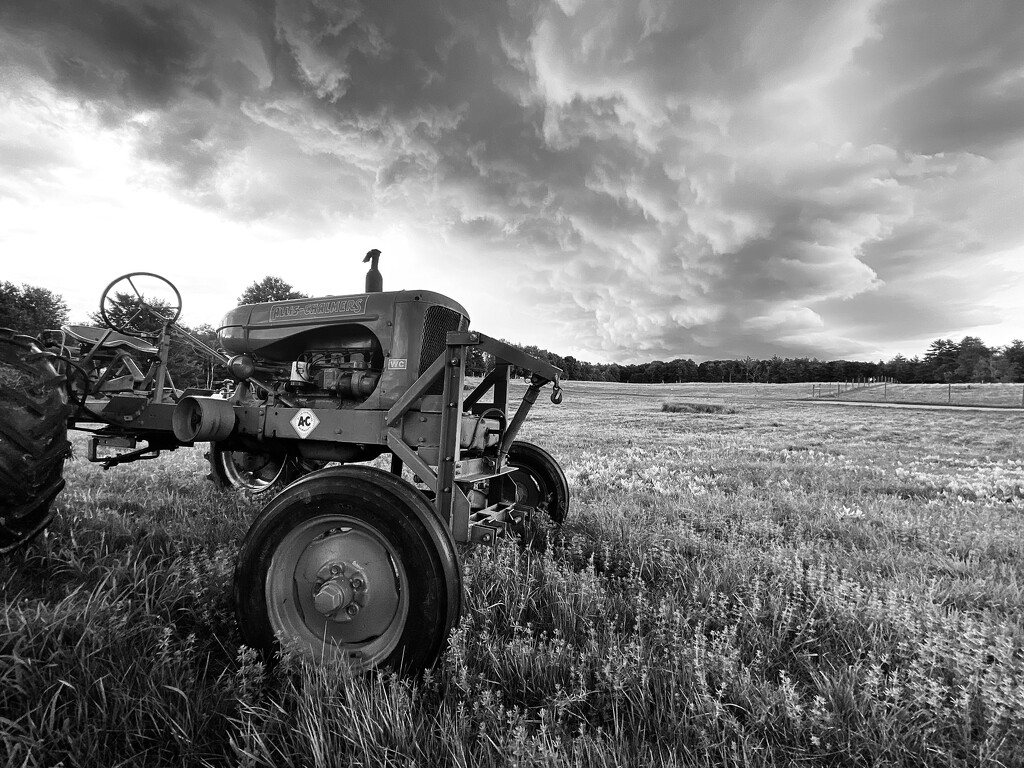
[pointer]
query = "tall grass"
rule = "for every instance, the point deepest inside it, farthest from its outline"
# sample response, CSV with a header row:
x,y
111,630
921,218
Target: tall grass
x,y
680,407
778,586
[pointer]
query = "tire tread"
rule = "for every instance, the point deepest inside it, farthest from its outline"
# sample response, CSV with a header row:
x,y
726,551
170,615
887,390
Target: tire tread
x,y
33,439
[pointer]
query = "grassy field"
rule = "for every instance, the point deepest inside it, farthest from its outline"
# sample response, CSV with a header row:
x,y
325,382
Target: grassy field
x,y
788,584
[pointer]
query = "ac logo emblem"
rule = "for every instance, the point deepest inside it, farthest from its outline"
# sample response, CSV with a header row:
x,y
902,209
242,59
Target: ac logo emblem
x,y
304,422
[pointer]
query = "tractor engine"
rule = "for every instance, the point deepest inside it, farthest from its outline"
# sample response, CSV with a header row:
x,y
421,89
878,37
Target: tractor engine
x,y
345,375
359,351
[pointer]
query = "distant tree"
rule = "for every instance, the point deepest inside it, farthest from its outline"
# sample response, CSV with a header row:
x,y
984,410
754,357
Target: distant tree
x,y
898,368
917,370
269,289
983,370
749,365
193,367
972,360
791,370
1001,368
761,371
1013,355
125,311
680,370
941,360
477,363
710,370
30,310
571,368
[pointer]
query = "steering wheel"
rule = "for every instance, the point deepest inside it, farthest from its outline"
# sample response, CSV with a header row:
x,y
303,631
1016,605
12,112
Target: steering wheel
x,y
140,304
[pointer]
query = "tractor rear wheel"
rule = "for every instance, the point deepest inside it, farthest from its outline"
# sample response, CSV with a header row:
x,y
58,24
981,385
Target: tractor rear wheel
x,y
350,563
540,480
33,439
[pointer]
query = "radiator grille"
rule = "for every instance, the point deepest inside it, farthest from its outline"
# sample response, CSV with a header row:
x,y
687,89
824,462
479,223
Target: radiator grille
x,y
437,322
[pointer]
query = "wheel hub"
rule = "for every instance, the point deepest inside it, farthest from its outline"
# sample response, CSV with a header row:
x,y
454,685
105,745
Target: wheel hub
x,y
341,590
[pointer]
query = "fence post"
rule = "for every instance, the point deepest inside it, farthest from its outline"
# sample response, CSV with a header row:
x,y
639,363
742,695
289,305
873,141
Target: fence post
x,y
949,394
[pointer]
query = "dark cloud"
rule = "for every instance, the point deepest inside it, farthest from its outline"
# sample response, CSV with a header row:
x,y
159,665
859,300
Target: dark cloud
x,y
941,76
128,56
886,316
657,179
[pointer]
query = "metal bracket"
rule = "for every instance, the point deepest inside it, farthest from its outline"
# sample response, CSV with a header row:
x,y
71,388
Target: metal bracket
x,y
114,441
485,525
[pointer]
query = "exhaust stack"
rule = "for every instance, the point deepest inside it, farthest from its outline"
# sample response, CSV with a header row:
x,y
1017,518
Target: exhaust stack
x,y
374,279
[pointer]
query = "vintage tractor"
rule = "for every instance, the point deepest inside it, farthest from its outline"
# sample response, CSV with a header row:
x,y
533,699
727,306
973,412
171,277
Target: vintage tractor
x,y
346,560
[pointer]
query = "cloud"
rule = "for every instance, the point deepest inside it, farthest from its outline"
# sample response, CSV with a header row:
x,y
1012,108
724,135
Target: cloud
x,y
653,179
939,77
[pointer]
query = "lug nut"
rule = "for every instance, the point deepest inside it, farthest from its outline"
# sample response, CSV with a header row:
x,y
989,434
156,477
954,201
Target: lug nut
x,y
335,570
357,583
352,609
328,598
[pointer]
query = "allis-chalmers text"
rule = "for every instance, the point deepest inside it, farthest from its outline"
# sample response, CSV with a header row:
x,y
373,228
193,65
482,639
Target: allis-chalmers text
x,y
318,308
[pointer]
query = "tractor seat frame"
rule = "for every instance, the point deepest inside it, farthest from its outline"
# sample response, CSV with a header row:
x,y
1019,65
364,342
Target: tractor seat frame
x,y
108,339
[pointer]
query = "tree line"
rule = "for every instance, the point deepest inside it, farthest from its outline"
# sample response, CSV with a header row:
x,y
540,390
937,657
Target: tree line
x,y
31,310
945,361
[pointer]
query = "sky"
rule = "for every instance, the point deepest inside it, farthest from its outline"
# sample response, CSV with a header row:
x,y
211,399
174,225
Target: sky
x,y
614,181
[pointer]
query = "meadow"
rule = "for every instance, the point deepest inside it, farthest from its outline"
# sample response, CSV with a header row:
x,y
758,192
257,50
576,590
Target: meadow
x,y
790,583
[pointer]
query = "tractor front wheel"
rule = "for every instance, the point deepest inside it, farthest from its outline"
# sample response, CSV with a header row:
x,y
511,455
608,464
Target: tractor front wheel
x,y
540,482
252,472
257,473
350,563
33,439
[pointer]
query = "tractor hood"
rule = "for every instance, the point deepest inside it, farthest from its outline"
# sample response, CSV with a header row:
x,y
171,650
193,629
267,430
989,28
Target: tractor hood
x,y
384,325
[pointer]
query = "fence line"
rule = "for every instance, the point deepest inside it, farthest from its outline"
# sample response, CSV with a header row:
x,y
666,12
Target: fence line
x,y
966,393
836,388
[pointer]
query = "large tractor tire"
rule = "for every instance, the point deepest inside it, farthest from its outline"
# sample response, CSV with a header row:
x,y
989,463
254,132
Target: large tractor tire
x,y
33,439
350,563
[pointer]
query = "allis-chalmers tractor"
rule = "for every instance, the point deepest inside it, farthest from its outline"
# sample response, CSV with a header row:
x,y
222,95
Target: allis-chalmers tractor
x,y
346,560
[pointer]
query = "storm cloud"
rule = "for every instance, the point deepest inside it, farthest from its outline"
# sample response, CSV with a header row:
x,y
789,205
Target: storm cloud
x,y
652,180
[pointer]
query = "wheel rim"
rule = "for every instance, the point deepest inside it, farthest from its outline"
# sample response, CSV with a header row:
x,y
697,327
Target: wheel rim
x,y
534,489
338,587
253,472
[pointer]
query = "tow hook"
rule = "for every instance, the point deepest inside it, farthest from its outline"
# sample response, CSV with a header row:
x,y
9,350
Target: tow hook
x,y
556,393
